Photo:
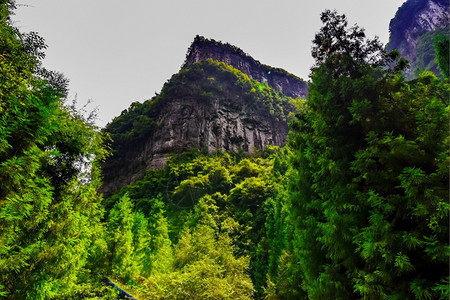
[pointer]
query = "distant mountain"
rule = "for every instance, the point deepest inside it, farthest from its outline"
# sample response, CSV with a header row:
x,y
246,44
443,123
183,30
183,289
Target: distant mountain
x,y
209,105
413,30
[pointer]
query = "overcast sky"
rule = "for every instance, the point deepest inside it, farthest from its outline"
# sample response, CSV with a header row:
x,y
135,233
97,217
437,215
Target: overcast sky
x,y
117,52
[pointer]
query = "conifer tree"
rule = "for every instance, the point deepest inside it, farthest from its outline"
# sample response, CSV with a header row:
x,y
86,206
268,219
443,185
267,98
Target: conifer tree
x,y
369,186
141,242
161,253
120,231
49,209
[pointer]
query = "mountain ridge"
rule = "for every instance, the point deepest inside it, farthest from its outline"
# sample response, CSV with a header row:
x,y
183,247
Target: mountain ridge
x,y
277,78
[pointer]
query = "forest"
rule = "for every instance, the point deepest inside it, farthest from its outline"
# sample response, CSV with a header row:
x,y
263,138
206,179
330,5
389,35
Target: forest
x,y
355,206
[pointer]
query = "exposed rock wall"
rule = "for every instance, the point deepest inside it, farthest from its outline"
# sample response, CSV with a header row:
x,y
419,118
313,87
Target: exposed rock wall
x,y
413,20
289,84
222,123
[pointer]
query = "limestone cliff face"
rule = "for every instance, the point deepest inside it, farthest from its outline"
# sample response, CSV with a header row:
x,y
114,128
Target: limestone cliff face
x,y
220,125
411,30
209,106
289,84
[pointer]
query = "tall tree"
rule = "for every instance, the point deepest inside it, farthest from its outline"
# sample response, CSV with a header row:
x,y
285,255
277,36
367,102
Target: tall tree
x,y
49,209
369,185
161,253
121,246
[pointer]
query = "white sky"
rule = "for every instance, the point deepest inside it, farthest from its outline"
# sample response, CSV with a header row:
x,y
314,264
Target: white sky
x,y
117,52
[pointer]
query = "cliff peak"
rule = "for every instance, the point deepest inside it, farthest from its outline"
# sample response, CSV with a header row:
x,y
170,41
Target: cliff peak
x,y
277,78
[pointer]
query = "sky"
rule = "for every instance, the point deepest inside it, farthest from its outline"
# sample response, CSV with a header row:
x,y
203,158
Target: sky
x,y
118,52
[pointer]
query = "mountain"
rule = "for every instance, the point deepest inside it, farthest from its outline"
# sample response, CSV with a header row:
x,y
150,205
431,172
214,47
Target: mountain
x,y
208,105
413,30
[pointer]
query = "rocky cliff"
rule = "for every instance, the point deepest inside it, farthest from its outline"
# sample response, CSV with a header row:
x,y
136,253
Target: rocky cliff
x,y
289,84
413,30
208,105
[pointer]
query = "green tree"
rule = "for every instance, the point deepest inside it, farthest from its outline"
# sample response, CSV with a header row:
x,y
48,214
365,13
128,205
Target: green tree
x,y
276,216
369,181
49,209
204,265
141,242
161,255
121,246
132,248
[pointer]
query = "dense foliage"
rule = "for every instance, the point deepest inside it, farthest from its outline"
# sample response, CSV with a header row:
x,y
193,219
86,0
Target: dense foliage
x,y
426,58
368,193
225,192
49,210
442,48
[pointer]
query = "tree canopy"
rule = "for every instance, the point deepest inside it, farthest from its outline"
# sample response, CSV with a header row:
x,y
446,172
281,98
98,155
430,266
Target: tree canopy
x,y
49,209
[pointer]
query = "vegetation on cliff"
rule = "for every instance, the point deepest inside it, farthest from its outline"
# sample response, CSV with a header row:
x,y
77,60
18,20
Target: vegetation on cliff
x,y
355,206
202,42
204,80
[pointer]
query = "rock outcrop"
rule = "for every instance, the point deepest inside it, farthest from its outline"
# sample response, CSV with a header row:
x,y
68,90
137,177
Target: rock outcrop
x,y
412,31
289,84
